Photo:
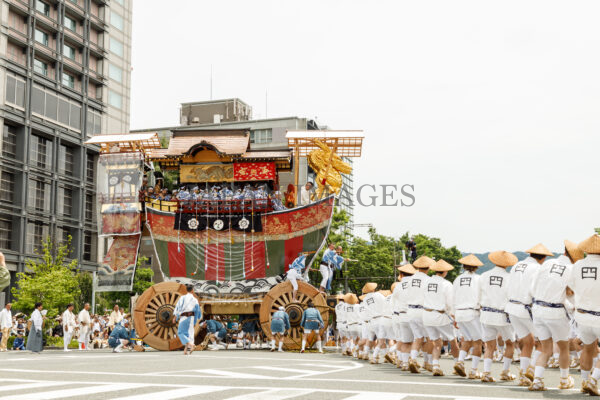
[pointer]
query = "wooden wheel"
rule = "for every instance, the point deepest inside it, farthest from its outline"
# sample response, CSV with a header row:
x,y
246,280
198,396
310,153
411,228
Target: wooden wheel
x,y
153,316
281,296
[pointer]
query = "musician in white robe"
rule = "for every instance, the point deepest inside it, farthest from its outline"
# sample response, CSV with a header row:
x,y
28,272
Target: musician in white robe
x,y
69,324
187,311
84,327
35,341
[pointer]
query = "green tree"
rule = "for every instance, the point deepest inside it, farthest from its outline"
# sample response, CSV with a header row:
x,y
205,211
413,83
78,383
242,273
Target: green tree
x,y
49,279
85,282
432,247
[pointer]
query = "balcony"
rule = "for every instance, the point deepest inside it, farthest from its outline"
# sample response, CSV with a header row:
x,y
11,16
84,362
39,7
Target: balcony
x,y
18,33
75,36
45,49
21,5
48,22
73,64
98,49
97,22
76,6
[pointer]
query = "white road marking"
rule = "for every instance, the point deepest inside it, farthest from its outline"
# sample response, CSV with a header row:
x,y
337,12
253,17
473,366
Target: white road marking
x,y
60,394
274,394
22,386
380,396
229,374
176,393
270,368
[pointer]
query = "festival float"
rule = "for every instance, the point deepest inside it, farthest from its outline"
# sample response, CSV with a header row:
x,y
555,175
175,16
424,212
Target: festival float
x,y
233,238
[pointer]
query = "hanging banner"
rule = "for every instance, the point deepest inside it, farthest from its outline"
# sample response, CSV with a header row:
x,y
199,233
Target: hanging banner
x,y
117,269
255,171
196,222
206,173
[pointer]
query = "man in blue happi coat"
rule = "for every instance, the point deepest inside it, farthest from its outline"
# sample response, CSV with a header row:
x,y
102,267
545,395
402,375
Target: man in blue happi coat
x,y
312,322
295,272
119,336
216,332
187,311
337,262
280,323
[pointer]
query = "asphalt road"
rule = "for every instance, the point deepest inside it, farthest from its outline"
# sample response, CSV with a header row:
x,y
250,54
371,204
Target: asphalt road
x,y
238,374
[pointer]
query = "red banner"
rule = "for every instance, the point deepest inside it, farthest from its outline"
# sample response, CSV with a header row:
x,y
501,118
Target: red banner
x,y
254,171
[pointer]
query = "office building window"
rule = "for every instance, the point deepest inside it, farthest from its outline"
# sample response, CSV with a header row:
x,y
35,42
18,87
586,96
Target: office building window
x,y
70,23
40,152
38,196
89,248
15,90
6,232
9,142
115,73
66,160
116,47
40,67
89,208
68,80
90,168
116,20
41,37
120,2
7,187
37,232
94,122
69,51
46,104
42,7
115,99
64,201
261,136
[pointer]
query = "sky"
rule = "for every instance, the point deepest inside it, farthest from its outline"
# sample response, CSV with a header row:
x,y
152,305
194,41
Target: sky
x,y
491,110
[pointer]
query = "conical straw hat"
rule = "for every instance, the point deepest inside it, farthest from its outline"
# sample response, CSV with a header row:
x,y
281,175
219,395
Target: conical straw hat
x,y
350,298
407,269
423,262
471,261
575,252
441,266
339,296
369,287
591,245
362,297
540,249
503,258
385,293
394,286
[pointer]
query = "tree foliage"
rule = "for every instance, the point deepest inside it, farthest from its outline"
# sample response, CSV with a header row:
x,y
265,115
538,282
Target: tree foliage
x,y
432,247
49,279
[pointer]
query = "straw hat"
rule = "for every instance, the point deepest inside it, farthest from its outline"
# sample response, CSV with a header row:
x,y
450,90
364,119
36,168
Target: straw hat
x,y
350,298
503,258
441,266
385,293
591,245
471,261
423,262
540,249
340,297
362,297
407,269
369,287
575,252
394,286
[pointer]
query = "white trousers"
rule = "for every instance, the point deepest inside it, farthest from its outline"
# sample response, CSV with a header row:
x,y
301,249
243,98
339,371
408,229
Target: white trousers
x,y
293,276
470,330
84,336
67,337
324,270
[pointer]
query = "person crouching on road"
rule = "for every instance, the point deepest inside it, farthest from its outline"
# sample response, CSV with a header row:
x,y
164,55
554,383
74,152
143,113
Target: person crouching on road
x,y
312,321
438,311
119,336
280,323
216,332
187,311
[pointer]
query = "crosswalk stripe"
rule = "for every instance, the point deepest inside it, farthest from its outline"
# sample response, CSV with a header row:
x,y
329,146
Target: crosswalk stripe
x,y
176,393
59,394
300,371
25,386
230,374
273,394
380,396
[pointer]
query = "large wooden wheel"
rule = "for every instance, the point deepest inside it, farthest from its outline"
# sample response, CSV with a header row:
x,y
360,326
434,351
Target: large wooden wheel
x,y
153,316
281,296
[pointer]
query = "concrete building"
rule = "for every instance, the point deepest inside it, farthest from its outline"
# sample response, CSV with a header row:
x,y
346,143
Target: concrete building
x,y
264,134
65,70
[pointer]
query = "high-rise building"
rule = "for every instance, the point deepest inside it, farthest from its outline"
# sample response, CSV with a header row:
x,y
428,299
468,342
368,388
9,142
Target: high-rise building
x,y
65,69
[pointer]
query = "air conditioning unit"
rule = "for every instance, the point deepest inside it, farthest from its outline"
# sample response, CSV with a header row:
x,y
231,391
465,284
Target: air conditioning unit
x,y
217,118
195,120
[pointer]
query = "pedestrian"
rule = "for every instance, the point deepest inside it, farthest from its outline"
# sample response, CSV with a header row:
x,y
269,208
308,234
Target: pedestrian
x,y
375,304
119,336
519,308
85,325
352,322
216,333
19,343
312,321
466,314
35,341
438,309
494,320
584,284
551,323
188,313
400,321
6,324
68,324
341,324
280,323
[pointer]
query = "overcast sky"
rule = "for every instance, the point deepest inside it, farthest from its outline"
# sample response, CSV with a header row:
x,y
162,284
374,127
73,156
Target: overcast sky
x,y
490,109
